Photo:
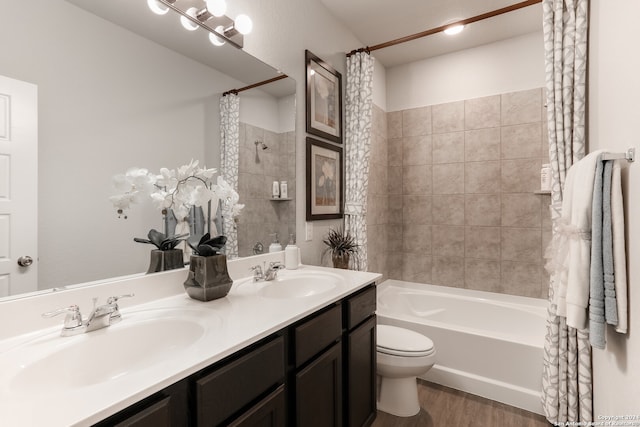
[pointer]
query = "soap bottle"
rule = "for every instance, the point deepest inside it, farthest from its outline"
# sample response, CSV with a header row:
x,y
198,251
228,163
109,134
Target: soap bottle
x,y
275,246
291,254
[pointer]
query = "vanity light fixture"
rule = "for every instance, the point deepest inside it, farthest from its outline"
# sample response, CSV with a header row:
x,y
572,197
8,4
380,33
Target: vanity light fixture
x,y
454,29
207,14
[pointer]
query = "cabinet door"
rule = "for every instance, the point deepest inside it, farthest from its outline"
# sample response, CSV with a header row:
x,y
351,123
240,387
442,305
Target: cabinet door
x,y
361,377
319,391
156,415
269,412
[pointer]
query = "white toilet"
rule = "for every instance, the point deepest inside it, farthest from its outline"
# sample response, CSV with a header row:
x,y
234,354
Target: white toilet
x,y
402,356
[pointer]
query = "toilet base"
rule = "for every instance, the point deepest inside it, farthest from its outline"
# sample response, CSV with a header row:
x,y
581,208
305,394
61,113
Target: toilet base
x,y
398,396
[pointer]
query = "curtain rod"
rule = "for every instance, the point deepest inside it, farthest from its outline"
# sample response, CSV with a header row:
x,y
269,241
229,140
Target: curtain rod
x,y
264,82
441,28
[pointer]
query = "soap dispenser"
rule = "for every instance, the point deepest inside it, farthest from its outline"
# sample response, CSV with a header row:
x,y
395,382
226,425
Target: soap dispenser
x,y
275,246
291,254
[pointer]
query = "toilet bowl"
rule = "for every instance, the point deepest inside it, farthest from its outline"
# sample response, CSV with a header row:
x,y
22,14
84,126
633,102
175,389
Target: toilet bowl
x,y
402,355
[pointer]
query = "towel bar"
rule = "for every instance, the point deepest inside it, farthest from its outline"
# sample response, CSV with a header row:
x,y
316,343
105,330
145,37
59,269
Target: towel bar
x,y
630,155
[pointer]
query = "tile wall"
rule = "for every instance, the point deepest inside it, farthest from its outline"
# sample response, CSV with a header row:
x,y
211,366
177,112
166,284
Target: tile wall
x,y
461,209
257,170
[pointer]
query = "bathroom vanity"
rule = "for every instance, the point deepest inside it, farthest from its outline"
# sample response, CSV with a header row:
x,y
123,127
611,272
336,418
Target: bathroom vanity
x,y
270,353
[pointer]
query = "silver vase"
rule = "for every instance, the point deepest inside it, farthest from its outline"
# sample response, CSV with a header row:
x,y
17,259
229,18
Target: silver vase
x,y
208,277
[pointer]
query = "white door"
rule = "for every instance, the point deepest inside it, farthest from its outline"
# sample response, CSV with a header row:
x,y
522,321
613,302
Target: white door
x,y
18,186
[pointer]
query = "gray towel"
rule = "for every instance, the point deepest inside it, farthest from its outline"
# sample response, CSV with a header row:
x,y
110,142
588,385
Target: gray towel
x,y
596,283
610,304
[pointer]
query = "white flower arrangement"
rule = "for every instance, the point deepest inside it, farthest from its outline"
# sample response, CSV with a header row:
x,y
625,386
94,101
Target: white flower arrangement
x,y
178,189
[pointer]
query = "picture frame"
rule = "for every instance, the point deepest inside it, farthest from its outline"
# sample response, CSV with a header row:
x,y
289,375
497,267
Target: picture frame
x,y
324,99
325,180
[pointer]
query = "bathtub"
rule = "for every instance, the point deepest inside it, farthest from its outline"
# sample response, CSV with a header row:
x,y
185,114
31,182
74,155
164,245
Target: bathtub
x,y
487,344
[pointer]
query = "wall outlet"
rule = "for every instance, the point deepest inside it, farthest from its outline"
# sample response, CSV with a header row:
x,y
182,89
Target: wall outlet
x,y
308,231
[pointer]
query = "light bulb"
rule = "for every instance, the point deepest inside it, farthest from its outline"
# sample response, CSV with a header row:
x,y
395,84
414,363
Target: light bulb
x,y
216,40
455,29
243,24
157,7
188,25
217,7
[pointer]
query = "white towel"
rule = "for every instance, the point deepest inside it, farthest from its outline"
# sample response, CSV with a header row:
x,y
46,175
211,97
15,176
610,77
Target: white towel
x,y
619,253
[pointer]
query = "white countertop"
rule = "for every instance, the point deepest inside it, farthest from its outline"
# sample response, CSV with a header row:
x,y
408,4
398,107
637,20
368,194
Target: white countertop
x,y
231,323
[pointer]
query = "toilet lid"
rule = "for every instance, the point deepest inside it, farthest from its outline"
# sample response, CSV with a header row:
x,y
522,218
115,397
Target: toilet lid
x,y
402,342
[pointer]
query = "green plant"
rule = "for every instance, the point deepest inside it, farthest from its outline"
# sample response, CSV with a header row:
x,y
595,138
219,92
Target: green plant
x,y
207,246
160,241
339,243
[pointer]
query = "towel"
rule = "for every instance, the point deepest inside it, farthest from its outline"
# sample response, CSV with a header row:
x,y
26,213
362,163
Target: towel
x,y
570,250
596,279
610,309
619,254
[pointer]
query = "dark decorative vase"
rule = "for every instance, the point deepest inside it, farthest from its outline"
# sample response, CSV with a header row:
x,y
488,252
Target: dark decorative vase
x,y
340,261
208,277
165,260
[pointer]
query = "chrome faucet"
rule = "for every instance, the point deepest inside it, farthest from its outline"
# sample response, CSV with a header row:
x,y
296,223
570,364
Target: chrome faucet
x,y
269,274
101,316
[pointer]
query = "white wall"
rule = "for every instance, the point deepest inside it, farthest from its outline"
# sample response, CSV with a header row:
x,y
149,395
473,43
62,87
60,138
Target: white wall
x,y
96,119
259,109
506,66
614,90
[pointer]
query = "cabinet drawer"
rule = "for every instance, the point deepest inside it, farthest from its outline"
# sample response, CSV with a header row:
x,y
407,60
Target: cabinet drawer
x,y
317,334
361,306
232,387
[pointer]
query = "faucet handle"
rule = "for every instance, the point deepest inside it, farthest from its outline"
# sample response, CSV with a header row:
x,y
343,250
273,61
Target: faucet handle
x,y
114,299
73,319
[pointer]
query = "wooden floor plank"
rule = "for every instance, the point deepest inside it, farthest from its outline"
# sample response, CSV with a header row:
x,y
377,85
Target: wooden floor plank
x,y
446,407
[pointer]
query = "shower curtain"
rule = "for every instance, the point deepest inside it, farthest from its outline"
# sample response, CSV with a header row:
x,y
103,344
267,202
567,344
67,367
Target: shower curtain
x,y
357,144
567,374
229,148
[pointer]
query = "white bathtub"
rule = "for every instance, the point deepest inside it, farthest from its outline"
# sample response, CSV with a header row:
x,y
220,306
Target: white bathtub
x,y
487,344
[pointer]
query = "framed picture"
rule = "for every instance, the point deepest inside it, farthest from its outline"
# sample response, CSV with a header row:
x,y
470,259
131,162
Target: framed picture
x,y
324,99
325,183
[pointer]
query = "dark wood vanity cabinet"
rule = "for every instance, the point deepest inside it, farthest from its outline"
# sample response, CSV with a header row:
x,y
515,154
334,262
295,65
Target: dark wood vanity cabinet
x,y
319,371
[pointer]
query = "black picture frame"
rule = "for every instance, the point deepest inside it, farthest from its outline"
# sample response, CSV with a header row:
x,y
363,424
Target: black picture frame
x,y
325,180
323,100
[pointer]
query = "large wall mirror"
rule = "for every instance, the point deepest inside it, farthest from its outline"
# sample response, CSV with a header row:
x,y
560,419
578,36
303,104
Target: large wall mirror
x,y
121,87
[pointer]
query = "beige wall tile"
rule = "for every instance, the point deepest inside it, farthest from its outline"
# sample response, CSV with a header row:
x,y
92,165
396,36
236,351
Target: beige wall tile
x,y
522,141
448,241
482,209
482,144
482,177
482,242
394,124
448,147
416,238
448,271
416,150
521,176
416,267
545,210
394,265
482,112
522,107
448,209
379,121
416,209
416,121
394,234
416,179
482,275
394,151
448,117
394,179
521,210
448,178
521,278
521,244
395,209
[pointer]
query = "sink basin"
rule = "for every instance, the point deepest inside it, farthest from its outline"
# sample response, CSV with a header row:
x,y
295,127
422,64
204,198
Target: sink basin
x,y
292,285
141,340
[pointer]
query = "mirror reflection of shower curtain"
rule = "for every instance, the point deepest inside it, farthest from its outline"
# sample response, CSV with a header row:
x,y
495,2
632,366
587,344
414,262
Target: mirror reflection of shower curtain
x,y
229,148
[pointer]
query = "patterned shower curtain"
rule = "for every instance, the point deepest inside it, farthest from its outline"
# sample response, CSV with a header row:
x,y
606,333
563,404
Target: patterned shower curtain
x,y
358,141
229,148
567,374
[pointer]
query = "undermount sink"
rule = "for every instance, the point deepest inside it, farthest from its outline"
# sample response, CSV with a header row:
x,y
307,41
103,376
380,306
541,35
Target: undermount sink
x,y
292,285
141,340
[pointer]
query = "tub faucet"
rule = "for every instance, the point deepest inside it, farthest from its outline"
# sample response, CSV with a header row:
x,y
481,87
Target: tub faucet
x,y
101,316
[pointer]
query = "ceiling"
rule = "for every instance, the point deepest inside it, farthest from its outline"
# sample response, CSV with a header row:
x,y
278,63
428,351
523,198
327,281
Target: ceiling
x,y
379,21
